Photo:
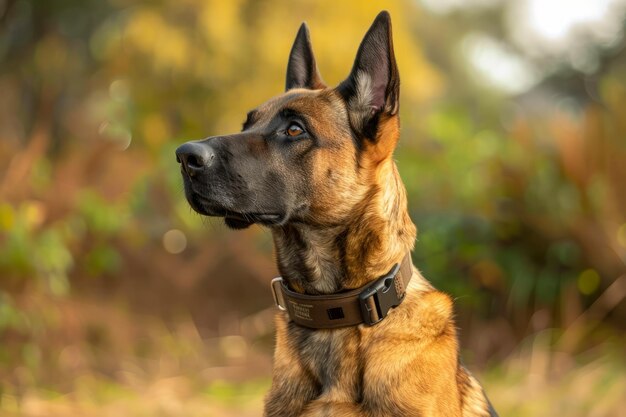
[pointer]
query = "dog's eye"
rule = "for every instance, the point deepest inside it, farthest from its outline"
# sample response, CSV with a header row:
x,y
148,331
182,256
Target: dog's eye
x,y
294,130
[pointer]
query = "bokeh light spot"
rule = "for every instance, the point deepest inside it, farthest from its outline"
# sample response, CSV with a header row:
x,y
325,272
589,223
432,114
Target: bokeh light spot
x,y
35,213
496,65
588,281
174,241
7,217
117,133
119,90
555,19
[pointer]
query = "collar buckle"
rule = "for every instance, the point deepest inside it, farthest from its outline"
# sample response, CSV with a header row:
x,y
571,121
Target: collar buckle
x,y
381,296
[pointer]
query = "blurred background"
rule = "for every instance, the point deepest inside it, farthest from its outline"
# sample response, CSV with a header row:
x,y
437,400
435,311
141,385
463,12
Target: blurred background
x,y
117,299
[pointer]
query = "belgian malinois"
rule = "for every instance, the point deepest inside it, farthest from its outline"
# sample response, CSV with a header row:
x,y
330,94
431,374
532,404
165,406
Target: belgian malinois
x,y
360,332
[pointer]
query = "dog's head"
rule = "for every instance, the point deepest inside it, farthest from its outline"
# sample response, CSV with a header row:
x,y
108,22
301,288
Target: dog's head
x,y
308,155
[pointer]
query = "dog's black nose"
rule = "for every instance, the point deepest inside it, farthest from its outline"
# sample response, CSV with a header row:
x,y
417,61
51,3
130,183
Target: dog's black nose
x,y
195,157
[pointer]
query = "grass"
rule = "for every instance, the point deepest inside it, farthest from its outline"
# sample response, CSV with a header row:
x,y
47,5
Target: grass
x,y
542,382
164,397
535,381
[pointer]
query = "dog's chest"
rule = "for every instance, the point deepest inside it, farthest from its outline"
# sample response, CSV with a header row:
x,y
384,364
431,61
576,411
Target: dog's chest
x,y
332,358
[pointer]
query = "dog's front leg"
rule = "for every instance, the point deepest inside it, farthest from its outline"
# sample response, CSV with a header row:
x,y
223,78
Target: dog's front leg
x,y
291,390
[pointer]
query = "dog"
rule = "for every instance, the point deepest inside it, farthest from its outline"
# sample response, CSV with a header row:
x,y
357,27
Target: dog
x,y
360,332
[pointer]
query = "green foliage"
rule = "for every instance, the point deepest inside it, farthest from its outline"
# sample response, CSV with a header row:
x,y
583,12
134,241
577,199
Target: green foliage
x,y
101,218
31,252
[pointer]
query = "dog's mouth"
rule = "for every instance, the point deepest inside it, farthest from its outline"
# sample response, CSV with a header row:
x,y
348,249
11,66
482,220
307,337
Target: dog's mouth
x,y
242,220
235,219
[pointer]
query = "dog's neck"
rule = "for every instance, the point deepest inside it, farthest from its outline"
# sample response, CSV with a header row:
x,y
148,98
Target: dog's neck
x,y
377,234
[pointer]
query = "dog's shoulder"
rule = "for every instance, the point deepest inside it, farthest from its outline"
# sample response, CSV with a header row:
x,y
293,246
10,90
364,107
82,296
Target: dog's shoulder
x,y
425,313
424,319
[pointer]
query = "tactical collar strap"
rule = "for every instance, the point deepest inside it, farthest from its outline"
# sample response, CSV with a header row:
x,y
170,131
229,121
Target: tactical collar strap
x,y
368,304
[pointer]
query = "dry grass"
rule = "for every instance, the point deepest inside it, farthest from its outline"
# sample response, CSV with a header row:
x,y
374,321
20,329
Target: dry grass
x,y
540,382
174,396
535,381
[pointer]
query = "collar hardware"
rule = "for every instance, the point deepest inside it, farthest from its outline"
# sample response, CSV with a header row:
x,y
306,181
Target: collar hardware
x,y
380,297
277,293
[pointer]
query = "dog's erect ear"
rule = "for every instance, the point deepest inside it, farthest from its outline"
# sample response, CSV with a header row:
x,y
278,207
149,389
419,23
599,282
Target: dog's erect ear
x,y
301,70
373,87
